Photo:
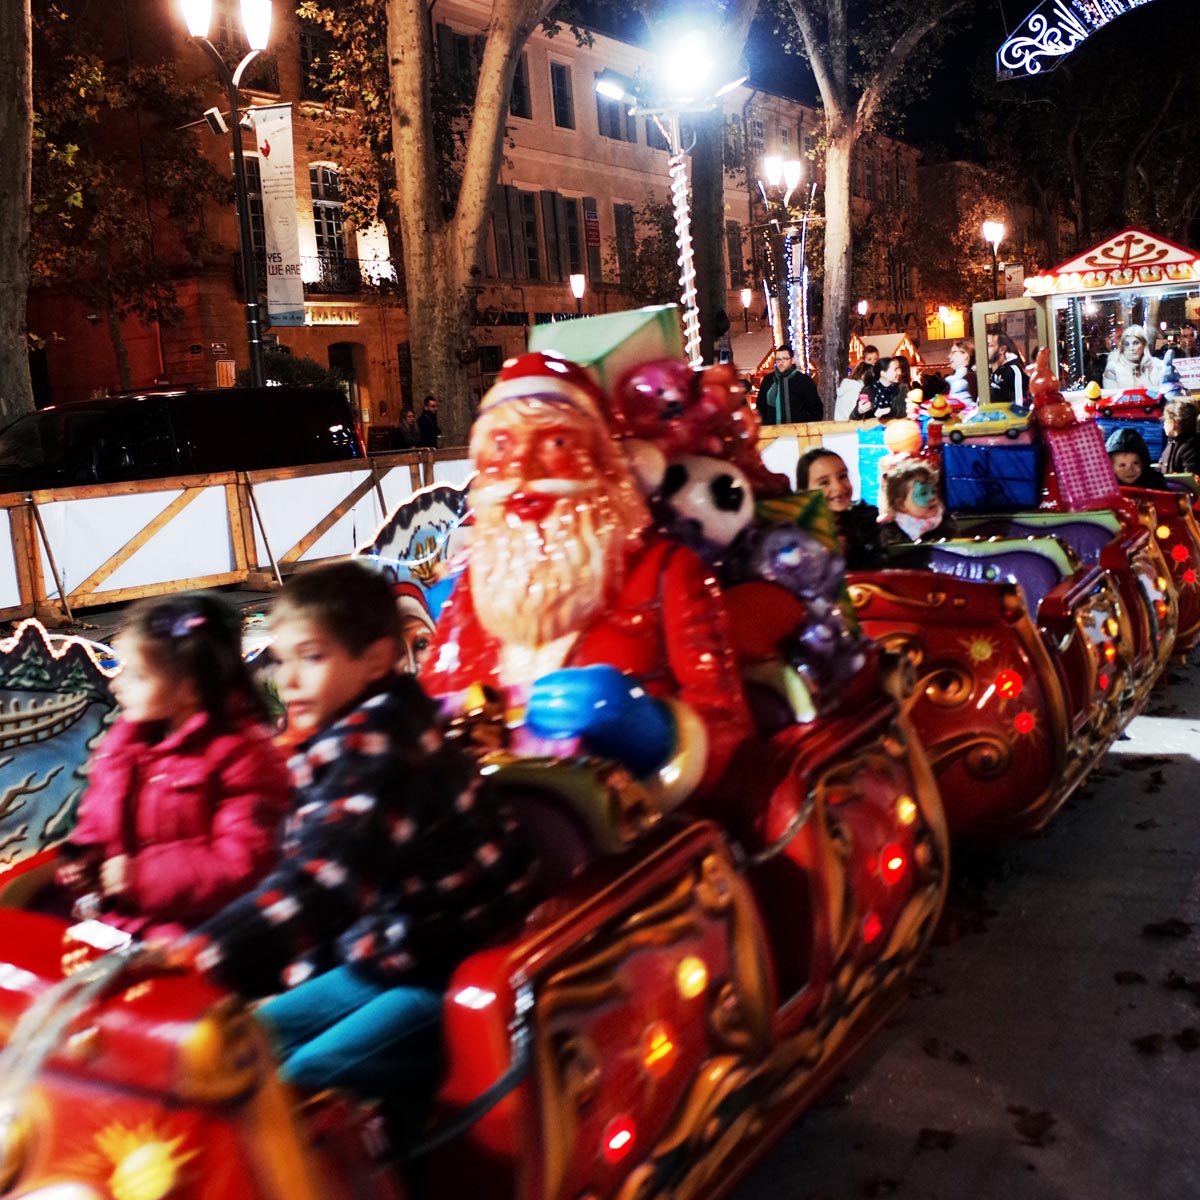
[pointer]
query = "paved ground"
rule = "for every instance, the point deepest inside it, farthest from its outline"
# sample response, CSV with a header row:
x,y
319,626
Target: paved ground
x,y
1052,1046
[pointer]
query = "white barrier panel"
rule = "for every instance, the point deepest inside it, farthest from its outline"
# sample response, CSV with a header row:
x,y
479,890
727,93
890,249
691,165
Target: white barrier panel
x,y
10,589
85,534
292,508
456,470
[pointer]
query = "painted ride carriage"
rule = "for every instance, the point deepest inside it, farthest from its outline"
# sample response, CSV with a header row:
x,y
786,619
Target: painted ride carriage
x,y
702,965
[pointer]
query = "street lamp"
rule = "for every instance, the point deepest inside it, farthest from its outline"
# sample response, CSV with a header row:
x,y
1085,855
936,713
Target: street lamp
x,y
862,307
256,21
747,296
686,81
943,316
578,286
778,173
993,233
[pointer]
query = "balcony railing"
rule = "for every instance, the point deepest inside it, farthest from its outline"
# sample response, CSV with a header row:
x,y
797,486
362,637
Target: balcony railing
x,y
322,276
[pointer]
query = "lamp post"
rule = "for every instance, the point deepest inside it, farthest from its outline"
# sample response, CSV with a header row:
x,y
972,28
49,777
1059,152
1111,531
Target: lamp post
x,y
685,82
862,307
578,286
787,175
993,234
256,21
747,295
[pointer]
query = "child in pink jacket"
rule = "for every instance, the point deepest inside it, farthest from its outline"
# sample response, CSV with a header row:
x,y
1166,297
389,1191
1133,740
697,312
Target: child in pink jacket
x,y
186,791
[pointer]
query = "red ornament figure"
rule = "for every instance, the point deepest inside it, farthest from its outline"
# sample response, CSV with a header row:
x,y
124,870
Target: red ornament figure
x,y
588,627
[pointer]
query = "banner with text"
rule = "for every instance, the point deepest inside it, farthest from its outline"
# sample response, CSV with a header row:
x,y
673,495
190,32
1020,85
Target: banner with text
x,y
285,288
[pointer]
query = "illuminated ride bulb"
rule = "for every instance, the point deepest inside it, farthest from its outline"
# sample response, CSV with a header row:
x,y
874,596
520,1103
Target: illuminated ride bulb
x,y
691,977
1179,552
1023,722
872,928
1112,627
906,810
1163,532
658,1050
1189,576
618,1138
1008,685
892,863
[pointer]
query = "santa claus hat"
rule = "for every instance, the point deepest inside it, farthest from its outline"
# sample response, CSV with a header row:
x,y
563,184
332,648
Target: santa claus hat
x,y
544,376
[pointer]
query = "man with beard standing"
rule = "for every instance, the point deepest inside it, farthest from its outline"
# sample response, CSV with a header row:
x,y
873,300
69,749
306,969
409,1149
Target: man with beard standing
x,y
599,636
788,396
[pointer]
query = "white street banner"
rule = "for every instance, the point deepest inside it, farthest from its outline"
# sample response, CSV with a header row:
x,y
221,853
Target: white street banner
x,y
285,287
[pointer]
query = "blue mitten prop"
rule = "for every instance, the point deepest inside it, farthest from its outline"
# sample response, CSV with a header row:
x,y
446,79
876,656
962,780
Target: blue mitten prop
x,y
608,710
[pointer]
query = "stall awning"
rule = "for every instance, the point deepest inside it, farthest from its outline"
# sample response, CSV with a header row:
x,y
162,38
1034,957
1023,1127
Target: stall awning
x,y
1130,257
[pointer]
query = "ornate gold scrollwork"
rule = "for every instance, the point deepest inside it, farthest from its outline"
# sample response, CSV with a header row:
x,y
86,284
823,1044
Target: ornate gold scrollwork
x,y
861,595
947,686
985,755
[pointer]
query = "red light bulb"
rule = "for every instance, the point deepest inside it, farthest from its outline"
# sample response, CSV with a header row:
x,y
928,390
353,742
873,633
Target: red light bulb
x,y
892,862
618,1138
1023,722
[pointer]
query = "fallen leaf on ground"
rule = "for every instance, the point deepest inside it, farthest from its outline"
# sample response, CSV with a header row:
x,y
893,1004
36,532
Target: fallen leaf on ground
x,y
1172,927
936,1139
1150,1043
1188,1039
1035,1127
1124,977
1143,762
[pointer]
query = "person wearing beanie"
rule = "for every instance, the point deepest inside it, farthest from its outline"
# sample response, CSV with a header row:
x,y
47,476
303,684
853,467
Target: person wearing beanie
x,y
1131,460
1181,450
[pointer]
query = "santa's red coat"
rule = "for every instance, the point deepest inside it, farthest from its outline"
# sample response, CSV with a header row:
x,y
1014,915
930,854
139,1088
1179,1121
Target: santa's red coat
x,y
667,627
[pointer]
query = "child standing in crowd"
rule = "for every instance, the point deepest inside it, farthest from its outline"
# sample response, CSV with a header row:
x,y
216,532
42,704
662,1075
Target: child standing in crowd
x,y
1131,460
1181,451
186,790
857,522
397,862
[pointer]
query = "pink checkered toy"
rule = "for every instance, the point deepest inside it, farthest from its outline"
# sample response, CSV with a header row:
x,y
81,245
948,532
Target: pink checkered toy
x,y
1085,473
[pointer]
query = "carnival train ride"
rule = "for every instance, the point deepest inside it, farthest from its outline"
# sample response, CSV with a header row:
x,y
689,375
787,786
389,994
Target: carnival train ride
x,y
703,963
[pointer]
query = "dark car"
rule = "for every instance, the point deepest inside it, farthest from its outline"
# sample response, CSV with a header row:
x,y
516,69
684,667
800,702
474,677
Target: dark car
x,y
156,434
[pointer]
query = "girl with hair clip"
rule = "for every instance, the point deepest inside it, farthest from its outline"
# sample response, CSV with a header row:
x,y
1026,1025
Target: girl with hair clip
x,y
186,790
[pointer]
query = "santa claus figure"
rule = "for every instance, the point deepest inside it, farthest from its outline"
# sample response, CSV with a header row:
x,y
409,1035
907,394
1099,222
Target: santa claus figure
x,y
598,636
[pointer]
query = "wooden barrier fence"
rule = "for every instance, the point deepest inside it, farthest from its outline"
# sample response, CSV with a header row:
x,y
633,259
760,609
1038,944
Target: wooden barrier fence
x,y
71,548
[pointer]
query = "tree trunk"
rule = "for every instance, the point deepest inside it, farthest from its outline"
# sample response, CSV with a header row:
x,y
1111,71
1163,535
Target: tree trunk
x,y
838,256
708,227
117,338
16,133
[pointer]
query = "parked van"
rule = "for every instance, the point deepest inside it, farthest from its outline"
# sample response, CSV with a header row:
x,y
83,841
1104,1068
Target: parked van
x,y
156,434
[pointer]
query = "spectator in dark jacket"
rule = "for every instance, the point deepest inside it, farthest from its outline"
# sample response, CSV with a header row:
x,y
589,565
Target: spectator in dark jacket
x,y
1131,460
407,435
788,396
397,861
1181,451
427,424
887,393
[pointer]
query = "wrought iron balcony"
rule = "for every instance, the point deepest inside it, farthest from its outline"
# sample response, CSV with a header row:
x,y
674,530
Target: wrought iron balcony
x,y
322,276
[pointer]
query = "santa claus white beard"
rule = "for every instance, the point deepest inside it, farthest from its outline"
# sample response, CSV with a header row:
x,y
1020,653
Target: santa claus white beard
x,y
533,582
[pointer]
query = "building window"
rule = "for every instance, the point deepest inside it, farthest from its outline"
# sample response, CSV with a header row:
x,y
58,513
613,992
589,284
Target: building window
x,y
733,245
316,45
869,176
562,95
810,145
573,229
527,210
614,121
623,223
654,136
758,136
459,55
519,104
733,142
785,139
327,213
254,205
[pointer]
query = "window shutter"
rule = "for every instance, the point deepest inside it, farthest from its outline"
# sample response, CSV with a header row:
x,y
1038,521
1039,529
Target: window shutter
x,y
591,236
564,245
516,230
504,259
550,230
630,127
